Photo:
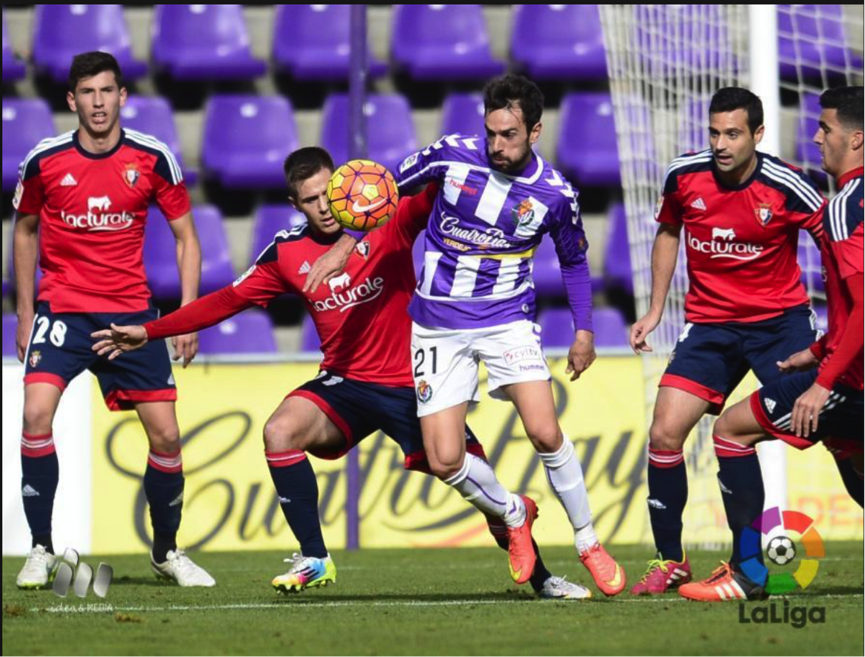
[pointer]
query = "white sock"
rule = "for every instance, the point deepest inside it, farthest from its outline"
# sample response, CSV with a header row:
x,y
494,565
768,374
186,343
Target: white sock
x,y
585,538
478,484
566,479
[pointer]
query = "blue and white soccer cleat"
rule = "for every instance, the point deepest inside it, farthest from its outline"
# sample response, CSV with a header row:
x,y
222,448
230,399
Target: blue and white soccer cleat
x,y
305,573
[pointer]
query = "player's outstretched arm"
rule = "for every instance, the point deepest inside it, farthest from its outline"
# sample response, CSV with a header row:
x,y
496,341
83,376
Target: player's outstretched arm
x,y
665,252
117,339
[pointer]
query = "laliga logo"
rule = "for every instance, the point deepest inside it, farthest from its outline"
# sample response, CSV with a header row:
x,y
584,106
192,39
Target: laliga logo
x,y
98,218
781,551
723,245
351,296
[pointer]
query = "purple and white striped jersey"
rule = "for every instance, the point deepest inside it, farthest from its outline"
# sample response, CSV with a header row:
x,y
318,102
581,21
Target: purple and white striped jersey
x,y
482,234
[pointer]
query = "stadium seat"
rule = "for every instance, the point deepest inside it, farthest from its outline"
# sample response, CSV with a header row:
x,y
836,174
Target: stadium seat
x,y
269,220
311,43
250,332
587,151
547,272
203,42
810,37
810,263
152,115
806,126
13,68
617,253
557,328
611,329
309,342
160,259
463,114
10,330
246,140
390,129
559,42
62,31
26,121
442,42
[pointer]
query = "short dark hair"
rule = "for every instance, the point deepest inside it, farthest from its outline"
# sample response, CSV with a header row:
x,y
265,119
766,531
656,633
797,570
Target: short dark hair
x,y
304,163
729,99
505,91
88,64
848,102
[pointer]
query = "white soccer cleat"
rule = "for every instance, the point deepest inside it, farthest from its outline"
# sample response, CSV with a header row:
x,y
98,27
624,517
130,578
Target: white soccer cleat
x,y
181,569
37,570
559,588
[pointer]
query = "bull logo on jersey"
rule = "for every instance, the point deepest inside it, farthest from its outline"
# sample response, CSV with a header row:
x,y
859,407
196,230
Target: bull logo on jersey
x,y
362,249
35,358
339,282
131,175
424,392
726,234
764,213
523,213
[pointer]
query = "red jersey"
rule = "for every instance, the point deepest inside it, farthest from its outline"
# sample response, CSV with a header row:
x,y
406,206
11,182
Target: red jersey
x,y
842,253
741,242
92,209
361,316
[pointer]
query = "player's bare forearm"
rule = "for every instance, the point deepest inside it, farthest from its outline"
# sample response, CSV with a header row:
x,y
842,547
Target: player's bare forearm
x,y
330,264
25,251
665,253
188,257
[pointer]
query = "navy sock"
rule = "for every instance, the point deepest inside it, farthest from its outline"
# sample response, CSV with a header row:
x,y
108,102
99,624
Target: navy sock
x,y
500,533
741,482
852,479
668,494
297,488
163,487
40,473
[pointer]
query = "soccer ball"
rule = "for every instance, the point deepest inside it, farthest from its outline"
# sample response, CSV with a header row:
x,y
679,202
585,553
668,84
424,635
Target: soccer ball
x,y
362,195
781,550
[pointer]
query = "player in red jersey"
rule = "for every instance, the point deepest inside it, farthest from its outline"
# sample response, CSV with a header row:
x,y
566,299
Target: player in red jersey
x,y
365,383
745,309
86,192
820,398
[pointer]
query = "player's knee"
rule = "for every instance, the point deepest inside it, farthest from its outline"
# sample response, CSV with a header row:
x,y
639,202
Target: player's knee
x,y
664,437
444,467
546,439
165,439
37,418
281,434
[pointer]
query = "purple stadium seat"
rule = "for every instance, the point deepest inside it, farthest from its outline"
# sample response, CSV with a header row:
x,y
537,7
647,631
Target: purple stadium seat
x,y
152,115
810,263
587,150
809,121
10,329
203,42
26,121
611,329
250,332
547,272
807,35
309,341
442,42
312,42
557,328
463,114
559,42
246,140
390,130
13,68
617,255
62,31
269,220
160,258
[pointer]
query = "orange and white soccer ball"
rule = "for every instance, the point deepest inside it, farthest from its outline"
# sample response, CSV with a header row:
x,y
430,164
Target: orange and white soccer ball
x,y
362,195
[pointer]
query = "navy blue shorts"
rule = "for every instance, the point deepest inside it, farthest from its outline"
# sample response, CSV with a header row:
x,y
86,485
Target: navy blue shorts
x,y
840,423
61,348
710,360
359,409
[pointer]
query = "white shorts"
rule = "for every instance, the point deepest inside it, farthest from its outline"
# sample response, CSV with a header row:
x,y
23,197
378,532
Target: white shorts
x,y
445,362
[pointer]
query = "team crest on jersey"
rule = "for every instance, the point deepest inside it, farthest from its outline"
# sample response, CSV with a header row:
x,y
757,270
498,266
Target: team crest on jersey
x,y
131,175
523,213
424,391
35,358
362,249
764,213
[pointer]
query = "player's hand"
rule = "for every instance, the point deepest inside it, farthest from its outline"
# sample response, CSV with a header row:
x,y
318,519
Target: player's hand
x,y
640,331
806,410
185,346
117,339
330,264
581,354
22,335
801,361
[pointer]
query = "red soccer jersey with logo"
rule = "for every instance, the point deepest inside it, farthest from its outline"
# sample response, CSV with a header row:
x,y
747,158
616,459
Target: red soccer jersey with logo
x,y
741,242
361,316
92,209
842,253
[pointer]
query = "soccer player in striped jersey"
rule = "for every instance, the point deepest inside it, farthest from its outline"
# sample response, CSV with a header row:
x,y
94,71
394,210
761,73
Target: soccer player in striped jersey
x,y
475,301
81,202
745,309
820,398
